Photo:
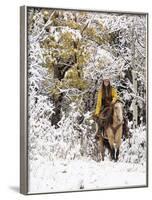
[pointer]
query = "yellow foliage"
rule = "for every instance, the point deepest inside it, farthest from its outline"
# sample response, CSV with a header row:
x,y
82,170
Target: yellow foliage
x,y
73,79
72,73
65,54
48,43
55,90
75,83
73,24
66,40
83,57
50,62
91,31
45,12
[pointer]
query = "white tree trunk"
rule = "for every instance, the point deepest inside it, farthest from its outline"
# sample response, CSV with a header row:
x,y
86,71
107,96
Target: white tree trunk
x,y
135,108
134,77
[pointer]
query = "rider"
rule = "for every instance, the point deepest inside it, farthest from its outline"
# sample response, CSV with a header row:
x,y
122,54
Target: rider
x,y
107,95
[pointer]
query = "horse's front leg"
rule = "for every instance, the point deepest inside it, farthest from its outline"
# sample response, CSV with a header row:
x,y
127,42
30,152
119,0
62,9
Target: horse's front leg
x,y
118,142
111,143
112,153
117,155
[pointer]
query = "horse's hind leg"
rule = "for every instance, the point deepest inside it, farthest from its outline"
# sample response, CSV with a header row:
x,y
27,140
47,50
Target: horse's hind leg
x,y
112,153
101,147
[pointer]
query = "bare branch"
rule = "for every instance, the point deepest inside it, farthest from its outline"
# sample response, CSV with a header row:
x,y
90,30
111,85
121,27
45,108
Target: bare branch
x,y
49,22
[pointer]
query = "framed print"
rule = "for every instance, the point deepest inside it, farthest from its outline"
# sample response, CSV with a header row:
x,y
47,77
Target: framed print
x,y
83,100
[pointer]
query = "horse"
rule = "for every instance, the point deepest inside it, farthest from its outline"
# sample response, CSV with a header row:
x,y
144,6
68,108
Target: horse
x,y
112,124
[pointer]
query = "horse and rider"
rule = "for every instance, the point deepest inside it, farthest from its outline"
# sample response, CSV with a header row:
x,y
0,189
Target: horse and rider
x,y
110,126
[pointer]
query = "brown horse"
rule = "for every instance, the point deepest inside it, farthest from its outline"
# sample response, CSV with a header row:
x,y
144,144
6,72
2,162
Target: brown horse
x,y
112,133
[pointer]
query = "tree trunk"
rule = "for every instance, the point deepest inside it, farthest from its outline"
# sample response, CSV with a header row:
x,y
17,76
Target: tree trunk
x,y
134,77
135,107
56,117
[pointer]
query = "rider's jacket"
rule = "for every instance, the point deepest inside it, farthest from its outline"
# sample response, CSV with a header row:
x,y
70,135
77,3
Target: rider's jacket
x,y
101,101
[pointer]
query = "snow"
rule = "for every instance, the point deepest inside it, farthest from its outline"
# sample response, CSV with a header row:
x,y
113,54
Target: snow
x,y
68,175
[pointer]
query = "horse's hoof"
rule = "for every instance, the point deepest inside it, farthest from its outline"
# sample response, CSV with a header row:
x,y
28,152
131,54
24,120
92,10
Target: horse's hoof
x,y
116,159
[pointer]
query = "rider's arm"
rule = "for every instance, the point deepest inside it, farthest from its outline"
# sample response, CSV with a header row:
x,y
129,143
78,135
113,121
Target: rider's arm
x,y
99,102
115,96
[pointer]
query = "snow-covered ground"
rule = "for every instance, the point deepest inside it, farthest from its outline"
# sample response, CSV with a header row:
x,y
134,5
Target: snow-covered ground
x,y
52,174
64,175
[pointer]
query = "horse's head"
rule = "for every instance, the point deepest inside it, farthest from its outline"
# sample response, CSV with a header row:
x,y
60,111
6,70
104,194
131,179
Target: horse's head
x,y
118,112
